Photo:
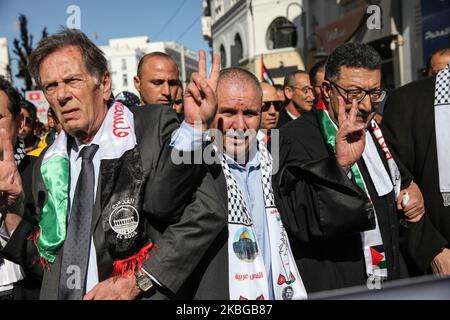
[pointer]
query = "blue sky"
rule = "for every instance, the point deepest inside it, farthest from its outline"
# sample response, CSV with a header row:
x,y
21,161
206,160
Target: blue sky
x,y
109,19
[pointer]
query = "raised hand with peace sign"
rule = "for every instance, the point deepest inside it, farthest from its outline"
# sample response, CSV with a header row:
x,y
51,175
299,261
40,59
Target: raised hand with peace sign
x,y
350,137
200,102
11,195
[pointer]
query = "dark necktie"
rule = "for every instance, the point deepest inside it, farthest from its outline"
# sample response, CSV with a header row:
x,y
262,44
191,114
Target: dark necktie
x,y
72,284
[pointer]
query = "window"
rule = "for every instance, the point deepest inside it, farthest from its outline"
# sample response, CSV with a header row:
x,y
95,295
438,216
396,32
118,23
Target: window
x,y
278,37
125,80
237,51
124,64
223,57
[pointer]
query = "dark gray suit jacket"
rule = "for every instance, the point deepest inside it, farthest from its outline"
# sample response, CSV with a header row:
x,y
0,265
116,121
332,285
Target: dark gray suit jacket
x,y
168,189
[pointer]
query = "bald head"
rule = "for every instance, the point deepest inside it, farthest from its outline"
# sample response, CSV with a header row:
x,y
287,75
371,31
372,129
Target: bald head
x,y
155,56
157,79
237,77
269,92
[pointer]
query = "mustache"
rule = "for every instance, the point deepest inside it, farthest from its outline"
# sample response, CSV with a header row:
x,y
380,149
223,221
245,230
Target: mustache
x,y
239,133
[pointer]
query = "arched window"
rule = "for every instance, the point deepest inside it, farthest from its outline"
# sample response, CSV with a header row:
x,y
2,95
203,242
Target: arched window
x,y
223,57
237,51
281,33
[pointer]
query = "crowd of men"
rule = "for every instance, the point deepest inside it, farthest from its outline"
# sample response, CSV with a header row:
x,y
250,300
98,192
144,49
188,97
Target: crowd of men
x,y
298,189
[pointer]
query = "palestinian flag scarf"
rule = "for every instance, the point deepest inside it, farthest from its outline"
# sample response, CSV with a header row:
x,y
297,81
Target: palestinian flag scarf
x,y
247,274
373,248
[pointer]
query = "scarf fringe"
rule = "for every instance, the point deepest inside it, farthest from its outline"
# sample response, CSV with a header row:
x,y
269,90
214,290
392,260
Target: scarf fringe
x,y
446,197
43,262
126,266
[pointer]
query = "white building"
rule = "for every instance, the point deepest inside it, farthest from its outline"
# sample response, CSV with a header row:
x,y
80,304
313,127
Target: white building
x,y
4,59
244,30
124,54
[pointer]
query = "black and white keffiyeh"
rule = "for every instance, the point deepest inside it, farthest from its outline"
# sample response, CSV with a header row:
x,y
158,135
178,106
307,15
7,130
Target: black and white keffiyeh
x,y
442,127
247,274
20,152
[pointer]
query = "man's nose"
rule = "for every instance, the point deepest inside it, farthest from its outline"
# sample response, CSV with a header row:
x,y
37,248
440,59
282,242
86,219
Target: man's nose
x,y
166,89
272,110
62,94
239,122
365,104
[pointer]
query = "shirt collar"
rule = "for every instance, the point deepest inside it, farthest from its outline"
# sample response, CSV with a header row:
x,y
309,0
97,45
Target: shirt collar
x,y
78,145
291,115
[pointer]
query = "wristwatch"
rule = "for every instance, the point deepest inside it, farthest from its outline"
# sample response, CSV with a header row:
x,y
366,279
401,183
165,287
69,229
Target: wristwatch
x,y
143,281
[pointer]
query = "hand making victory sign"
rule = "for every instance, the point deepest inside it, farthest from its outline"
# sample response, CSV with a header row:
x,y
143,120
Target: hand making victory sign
x,y
350,137
200,102
10,184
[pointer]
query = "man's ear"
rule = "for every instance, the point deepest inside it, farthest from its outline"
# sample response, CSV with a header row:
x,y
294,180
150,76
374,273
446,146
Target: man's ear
x,y
137,83
20,122
107,86
288,93
325,89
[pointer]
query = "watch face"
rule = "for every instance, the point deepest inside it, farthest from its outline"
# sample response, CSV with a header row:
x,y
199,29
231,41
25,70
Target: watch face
x,y
144,283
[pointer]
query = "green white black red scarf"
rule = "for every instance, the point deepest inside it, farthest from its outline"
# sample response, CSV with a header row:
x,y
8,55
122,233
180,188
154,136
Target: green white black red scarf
x,y
117,137
373,248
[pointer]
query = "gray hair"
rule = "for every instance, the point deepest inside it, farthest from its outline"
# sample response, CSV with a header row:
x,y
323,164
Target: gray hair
x,y
93,58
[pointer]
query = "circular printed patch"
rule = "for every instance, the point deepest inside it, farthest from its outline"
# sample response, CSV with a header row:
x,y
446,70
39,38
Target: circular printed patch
x,y
244,245
124,219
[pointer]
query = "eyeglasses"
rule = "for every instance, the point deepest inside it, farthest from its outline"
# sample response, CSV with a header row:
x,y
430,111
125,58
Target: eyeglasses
x,y
305,90
375,95
277,104
27,121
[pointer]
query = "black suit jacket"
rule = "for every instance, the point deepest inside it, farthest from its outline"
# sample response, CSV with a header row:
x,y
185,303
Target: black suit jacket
x,y
408,126
325,230
168,188
210,279
283,118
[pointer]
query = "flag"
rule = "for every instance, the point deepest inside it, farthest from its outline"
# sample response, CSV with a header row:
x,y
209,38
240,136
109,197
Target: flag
x,y
265,76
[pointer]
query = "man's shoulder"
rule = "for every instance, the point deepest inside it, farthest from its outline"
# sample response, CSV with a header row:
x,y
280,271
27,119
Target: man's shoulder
x,y
422,87
151,111
305,125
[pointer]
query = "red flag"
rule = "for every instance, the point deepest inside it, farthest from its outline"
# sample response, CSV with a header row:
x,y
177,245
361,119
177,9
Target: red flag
x,y
265,76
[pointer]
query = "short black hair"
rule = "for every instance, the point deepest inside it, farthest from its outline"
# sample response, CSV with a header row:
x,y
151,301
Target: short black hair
x,y
153,54
289,79
31,108
315,69
352,55
441,51
14,97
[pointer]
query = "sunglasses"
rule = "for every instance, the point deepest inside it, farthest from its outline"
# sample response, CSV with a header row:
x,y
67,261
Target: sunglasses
x,y
277,104
177,102
28,121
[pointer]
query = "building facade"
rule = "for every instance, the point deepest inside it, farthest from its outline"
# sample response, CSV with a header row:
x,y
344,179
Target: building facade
x,y
124,54
404,32
4,59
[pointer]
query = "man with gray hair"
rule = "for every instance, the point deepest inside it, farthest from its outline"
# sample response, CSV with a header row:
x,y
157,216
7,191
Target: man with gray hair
x,y
107,193
350,244
299,94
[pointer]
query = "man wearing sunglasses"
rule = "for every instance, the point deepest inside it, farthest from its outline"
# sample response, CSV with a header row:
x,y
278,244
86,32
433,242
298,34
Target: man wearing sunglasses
x,y
271,107
346,245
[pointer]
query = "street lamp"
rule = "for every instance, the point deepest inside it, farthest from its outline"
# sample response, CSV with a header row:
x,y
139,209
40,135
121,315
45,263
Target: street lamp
x,y
320,51
288,27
